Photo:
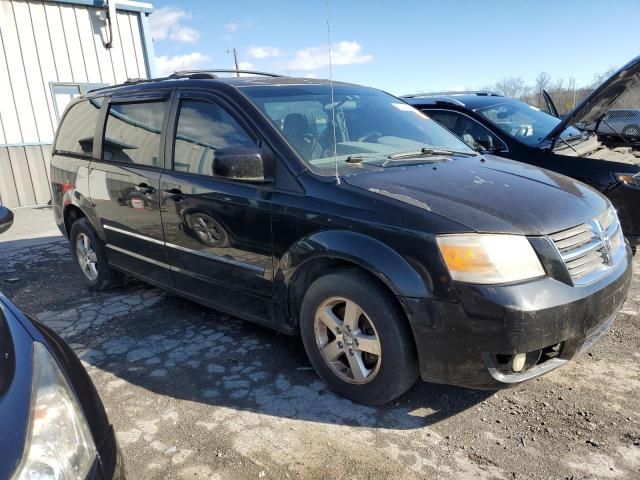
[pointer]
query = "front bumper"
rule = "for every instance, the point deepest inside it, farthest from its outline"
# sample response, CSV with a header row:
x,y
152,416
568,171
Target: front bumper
x,y
464,343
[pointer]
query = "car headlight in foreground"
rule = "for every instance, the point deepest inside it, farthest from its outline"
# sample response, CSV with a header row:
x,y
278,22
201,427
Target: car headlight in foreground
x,y
489,259
59,445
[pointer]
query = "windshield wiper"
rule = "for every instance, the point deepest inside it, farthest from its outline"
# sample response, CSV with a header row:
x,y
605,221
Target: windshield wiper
x,y
404,162
569,145
428,152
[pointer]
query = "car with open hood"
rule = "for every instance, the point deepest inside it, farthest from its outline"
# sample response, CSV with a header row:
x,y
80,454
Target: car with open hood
x,y
589,143
341,214
54,425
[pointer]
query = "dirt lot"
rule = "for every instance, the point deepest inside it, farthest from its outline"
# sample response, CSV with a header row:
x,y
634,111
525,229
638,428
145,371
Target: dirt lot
x,y
196,394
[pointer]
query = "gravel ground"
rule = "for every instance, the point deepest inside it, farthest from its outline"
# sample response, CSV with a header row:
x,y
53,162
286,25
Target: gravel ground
x,y
196,394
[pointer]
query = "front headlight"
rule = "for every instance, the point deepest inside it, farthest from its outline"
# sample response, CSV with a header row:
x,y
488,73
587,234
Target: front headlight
x,y
489,259
59,445
629,179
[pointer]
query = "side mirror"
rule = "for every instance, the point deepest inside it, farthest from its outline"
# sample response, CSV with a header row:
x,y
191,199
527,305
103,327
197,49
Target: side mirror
x,y
6,219
242,164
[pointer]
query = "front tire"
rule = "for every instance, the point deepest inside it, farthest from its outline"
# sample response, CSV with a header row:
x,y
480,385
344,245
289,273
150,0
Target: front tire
x,y
90,255
357,339
631,130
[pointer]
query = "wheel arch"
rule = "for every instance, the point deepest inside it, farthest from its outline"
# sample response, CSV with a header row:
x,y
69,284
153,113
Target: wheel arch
x,y
324,252
72,212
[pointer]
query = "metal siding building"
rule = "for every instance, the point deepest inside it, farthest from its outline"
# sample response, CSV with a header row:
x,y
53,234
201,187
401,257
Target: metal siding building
x,y
51,51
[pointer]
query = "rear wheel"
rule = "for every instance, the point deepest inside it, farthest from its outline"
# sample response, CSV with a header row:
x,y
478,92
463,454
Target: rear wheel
x,y
89,252
357,339
631,130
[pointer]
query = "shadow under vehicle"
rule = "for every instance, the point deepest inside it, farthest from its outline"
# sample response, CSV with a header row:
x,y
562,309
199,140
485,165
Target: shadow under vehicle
x,y
341,214
578,145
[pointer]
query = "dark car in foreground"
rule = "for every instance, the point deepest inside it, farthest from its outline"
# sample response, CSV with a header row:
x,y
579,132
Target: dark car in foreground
x,y
52,421
6,219
579,145
341,214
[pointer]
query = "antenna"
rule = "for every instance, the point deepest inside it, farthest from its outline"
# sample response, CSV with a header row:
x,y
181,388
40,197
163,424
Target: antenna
x,y
333,103
235,59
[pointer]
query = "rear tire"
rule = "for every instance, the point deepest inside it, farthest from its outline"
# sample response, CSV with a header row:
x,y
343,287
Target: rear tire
x,y
631,130
357,339
90,255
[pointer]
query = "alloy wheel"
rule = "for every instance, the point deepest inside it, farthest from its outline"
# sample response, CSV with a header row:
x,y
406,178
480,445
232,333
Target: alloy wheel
x,y
347,340
87,258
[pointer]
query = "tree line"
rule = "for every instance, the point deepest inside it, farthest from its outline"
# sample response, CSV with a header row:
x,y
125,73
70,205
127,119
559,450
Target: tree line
x,y
564,92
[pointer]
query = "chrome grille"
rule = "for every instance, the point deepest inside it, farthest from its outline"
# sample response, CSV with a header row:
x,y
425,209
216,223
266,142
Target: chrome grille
x,y
591,249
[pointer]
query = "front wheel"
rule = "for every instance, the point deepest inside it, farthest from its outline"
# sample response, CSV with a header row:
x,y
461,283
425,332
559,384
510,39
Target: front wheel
x,y
631,130
357,339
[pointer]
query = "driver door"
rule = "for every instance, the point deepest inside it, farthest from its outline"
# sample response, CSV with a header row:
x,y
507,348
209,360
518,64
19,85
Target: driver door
x,y
217,231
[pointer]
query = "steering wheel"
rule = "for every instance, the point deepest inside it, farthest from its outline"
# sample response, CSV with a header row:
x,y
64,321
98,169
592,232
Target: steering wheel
x,y
367,136
522,131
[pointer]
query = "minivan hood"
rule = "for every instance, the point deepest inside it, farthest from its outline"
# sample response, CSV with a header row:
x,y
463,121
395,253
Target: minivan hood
x,y
598,103
489,194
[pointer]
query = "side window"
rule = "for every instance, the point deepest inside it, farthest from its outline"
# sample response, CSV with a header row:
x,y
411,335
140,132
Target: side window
x,y
474,134
132,134
75,134
446,119
203,127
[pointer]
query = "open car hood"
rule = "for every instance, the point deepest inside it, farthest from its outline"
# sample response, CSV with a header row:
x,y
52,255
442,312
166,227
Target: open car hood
x,y
598,103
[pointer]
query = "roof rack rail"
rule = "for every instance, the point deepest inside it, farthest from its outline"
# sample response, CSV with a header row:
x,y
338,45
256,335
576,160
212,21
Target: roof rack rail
x,y
480,93
132,81
207,73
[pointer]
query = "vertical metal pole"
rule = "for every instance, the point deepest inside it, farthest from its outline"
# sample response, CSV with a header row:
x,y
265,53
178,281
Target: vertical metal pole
x,y
235,59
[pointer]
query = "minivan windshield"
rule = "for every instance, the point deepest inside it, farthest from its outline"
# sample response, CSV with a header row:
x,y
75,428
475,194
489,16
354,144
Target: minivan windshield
x,y
367,125
524,122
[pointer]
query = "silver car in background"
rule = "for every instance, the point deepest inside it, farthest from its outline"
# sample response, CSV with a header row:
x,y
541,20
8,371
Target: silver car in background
x,y
624,122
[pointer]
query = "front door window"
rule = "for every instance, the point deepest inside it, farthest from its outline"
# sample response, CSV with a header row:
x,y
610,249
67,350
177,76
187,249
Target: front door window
x,y
474,134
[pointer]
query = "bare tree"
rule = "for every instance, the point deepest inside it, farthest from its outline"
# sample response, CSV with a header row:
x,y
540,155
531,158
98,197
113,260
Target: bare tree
x,y
599,78
514,87
543,80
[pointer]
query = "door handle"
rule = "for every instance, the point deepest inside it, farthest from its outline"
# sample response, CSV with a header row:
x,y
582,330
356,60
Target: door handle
x,y
144,188
175,194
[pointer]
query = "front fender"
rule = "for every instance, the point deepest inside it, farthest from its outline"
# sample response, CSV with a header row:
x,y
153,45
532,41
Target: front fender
x,y
367,252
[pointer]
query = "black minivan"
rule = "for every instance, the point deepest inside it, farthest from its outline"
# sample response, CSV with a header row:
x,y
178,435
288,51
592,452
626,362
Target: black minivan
x,y
342,214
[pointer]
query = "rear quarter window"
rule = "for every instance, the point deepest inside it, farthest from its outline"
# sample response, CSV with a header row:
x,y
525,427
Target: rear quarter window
x,y
76,132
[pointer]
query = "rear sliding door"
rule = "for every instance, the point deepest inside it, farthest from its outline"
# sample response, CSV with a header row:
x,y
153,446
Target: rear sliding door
x,y
124,184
